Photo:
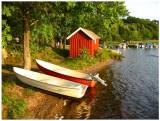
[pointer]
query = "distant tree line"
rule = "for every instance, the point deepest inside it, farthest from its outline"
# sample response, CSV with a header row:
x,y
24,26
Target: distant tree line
x,y
32,26
140,29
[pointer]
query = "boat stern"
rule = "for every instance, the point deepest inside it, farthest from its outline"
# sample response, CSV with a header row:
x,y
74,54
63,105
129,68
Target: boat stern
x,y
82,91
93,83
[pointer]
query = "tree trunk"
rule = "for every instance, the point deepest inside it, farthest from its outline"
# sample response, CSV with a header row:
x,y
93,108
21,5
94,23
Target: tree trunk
x,y
4,56
104,44
27,57
64,44
60,45
53,44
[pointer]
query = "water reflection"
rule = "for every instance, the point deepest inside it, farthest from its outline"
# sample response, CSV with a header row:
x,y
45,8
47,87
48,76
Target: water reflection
x,y
80,108
107,102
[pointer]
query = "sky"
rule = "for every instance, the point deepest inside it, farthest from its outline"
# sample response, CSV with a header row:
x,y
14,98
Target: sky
x,y
147,9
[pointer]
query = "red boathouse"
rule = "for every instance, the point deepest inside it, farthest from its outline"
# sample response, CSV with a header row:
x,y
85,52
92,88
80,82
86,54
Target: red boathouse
x,y
83,38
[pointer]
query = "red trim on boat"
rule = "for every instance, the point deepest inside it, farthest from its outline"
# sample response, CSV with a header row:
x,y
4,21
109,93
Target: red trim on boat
x,y
70,78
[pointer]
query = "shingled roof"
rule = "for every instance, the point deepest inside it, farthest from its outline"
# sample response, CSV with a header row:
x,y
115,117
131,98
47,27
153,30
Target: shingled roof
x,y
89,33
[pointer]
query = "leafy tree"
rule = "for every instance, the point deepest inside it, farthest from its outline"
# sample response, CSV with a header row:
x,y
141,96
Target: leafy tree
x,y
6,30
142,28
109,15
29,13
100,17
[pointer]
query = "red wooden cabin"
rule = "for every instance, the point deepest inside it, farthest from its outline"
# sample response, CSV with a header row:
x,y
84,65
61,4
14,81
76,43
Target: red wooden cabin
x,y
83,38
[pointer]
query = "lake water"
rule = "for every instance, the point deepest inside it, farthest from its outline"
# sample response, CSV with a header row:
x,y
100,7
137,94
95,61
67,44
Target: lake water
x,y
132,91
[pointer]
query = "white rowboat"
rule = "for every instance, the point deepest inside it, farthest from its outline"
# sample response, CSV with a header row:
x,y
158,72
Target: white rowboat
x,y
50,83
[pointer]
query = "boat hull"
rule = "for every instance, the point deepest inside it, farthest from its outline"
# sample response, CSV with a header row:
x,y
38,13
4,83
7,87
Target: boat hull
x,y
48,85
90,83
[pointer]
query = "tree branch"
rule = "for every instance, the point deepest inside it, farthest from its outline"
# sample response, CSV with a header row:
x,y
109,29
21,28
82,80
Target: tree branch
x,y
34,22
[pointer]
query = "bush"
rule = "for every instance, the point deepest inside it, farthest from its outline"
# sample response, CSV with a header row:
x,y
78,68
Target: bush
x,y
80,62
86,57
102,54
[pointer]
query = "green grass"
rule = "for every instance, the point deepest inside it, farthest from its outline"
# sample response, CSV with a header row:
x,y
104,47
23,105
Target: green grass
x,y
47,54
85,60
16,106
102,54
105,54
30,90
80,62
77,63
7,83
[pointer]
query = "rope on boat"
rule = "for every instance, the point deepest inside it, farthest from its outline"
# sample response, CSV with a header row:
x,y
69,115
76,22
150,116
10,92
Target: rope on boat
x,y
97,78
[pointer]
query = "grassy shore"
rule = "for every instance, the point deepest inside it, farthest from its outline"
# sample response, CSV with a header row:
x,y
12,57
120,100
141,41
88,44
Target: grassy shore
x,y
23,101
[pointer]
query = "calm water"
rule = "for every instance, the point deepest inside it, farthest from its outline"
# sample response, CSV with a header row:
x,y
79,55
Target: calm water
x,y
132,91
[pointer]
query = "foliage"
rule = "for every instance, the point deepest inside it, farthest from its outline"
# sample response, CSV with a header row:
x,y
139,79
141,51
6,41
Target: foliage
x,y
139,29
80,62
143,41
42,35
16,107
84,55
102,54
6,30
54,21
86,60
